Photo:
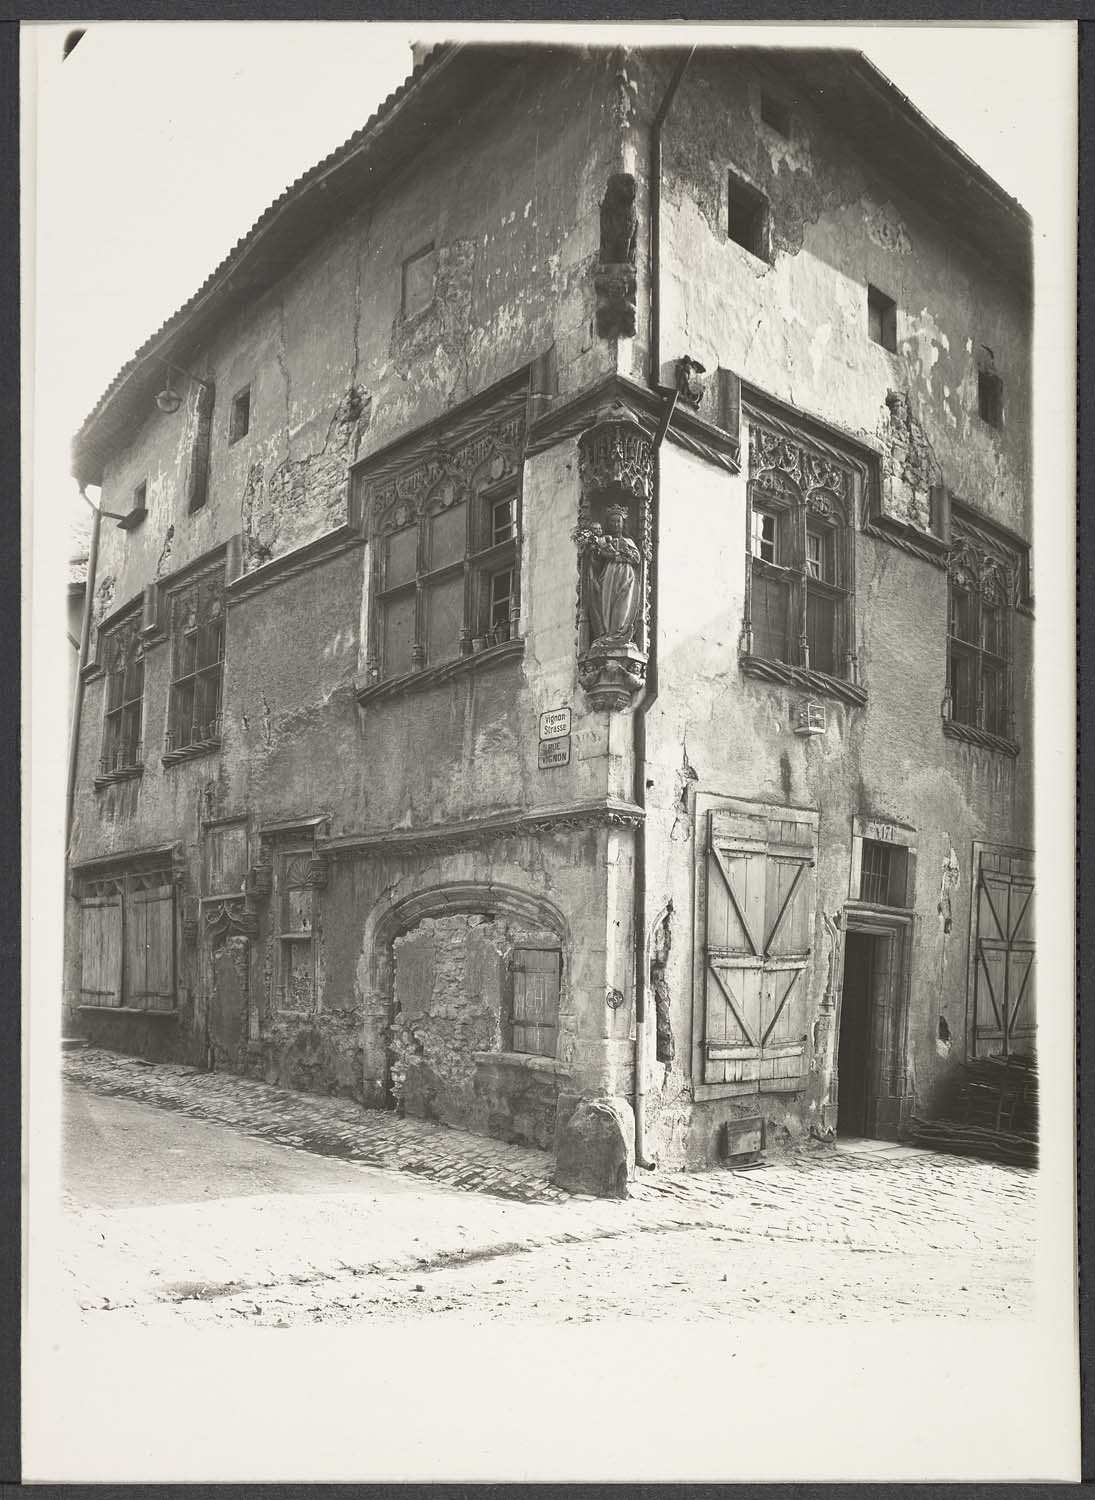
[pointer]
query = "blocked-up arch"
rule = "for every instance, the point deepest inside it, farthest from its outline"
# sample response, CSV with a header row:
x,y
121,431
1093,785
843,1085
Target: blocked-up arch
x,y
390,919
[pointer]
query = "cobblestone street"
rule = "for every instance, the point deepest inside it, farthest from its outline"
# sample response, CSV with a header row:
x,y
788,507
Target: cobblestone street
x,y
209,1198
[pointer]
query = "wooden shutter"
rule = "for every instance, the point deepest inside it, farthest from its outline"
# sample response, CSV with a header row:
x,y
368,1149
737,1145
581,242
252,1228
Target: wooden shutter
x,y
1004,1010
535,1000
150,948
101,950
760,910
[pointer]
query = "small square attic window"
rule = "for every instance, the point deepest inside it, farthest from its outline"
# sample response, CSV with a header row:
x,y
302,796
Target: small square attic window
x,y
418,281
747,217
881,318
775,113
239,418
990,397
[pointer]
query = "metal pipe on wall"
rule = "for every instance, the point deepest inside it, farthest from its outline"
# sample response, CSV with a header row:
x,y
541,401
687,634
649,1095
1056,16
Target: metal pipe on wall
x,y
85,644
651,693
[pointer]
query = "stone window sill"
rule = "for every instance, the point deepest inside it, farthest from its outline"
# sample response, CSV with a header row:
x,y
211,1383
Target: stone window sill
x,y
123,773
415,682
803,677
192,752
129,1010
530,1061
981,737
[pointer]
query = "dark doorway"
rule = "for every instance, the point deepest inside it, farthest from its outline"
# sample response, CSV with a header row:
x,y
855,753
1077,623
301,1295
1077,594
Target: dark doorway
x,y
856,1025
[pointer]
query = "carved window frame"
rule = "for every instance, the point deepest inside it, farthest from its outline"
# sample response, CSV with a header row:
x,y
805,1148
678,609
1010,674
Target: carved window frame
x,y
198,620
481,472
123,702
986,581
810,493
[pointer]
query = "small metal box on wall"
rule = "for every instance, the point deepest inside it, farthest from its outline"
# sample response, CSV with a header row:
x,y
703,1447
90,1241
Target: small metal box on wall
x,y
741,1142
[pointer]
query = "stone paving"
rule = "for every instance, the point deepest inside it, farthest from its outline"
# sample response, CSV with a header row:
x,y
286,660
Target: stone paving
x,y
328,1126
867,1196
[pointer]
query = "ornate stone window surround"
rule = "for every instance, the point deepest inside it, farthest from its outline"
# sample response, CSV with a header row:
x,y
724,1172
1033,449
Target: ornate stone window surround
x,y
444,521
988,583
799,620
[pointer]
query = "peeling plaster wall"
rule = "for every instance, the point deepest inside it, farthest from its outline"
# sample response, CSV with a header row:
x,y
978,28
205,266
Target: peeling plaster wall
x,y
797,327
715,732
335,371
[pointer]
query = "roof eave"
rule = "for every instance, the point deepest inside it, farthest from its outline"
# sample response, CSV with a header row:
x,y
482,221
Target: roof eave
x,y
135,384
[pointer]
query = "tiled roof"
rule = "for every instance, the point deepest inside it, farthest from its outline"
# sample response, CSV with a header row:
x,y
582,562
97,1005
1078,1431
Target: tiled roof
x,y
871,107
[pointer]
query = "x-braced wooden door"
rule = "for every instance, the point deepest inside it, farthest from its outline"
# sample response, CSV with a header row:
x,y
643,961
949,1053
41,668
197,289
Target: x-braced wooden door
x,y
1003,978
760,910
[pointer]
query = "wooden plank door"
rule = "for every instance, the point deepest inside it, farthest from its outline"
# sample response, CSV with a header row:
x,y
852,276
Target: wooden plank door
x,y
1004,1010
101,950
535,1013
759,918
150,948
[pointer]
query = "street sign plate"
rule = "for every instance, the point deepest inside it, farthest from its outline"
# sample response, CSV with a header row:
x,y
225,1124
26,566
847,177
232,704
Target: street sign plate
x,y
554,753
555,724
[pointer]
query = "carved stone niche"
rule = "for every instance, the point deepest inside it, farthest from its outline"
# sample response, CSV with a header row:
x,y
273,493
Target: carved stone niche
x,y
613,537
614,279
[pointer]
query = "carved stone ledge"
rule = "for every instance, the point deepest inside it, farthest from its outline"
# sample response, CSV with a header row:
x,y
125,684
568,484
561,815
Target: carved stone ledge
x,y
192,752
612,675
980,737
123,773
417,682
803,677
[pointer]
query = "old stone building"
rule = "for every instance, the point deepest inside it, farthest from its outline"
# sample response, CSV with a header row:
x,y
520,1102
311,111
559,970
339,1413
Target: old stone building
x,y
570,634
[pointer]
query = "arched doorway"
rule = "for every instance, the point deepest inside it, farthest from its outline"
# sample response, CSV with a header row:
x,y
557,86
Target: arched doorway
x,y
470,1002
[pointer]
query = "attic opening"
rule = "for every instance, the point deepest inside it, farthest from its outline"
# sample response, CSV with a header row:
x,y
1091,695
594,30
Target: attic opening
x,y
990,397
775,114
239,418
881,318
747,217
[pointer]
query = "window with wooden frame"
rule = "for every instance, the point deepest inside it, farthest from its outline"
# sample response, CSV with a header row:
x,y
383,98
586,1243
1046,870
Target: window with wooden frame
x,y
986,574
295,897
124,653
883,873
534,1000
446,554
758,903
197,643
127,941
799,590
